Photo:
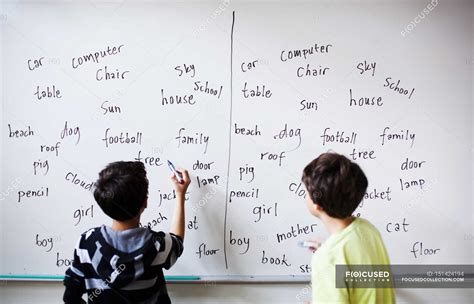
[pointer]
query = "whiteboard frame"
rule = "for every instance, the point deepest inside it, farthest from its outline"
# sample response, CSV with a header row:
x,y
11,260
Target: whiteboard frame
x,y
232,279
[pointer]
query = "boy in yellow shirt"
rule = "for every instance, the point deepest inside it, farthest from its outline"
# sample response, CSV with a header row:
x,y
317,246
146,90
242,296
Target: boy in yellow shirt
x,y
335,187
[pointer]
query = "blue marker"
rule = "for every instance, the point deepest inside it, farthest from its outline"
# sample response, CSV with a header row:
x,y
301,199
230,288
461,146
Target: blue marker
x,y
176,173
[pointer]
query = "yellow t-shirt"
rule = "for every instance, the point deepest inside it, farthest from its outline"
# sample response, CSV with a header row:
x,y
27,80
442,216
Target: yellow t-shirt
x,y
358,243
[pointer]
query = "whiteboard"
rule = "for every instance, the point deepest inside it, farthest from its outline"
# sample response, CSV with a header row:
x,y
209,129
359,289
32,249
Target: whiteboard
x,y
85,84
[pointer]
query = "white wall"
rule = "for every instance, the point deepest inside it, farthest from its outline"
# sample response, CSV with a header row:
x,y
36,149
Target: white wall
x,y
49,292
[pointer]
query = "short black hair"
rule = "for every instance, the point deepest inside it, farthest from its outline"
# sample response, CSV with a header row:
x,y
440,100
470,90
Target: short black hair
x,y
335,183
122,189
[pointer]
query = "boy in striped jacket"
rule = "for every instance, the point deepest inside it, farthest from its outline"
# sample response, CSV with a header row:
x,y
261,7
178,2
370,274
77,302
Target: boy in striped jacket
x,y
123,263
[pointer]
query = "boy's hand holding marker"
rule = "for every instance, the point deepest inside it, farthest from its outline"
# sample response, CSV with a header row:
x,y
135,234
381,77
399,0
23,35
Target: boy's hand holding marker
x,y
177,174
180,178
312,245
181,185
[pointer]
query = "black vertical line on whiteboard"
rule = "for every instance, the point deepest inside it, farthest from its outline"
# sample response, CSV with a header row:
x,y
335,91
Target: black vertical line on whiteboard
x,y
230,139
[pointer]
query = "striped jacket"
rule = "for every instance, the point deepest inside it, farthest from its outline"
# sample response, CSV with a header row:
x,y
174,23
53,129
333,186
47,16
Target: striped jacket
x,y
121,266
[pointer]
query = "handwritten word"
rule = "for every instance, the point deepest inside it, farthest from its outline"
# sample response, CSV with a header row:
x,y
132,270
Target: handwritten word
x,y
273,156
122,139
298,189
338,137
55,148
246,170
72,177
410,184
149,160
244,241
289,133
198,165
205,89
305,268
81,212
366,67
63,262
246,194
170,196
311,71
193,224
303,53
397,88
71,132
42,192
177,99
245,67
265,210
40,242
308,105
295,232
247,131
35,64
407,165
403,226
48,93
199,139
275,261
105,73
418,250
207,181
365,101
185,69
110,108
41,165
94,57
203,251
374,194
258,92
402,135
363,154
161,218
20,133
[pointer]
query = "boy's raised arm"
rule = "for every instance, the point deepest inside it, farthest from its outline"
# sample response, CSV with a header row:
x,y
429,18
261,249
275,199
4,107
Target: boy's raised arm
x,y
177,223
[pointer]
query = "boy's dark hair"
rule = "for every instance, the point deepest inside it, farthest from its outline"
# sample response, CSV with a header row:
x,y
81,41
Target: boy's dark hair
x,y
335,183
122,189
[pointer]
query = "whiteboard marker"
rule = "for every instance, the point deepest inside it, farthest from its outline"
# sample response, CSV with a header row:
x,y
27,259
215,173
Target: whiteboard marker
x,y
176,173
305,244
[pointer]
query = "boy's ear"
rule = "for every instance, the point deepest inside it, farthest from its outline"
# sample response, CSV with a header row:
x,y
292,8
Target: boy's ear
x,y
146,203
318,207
